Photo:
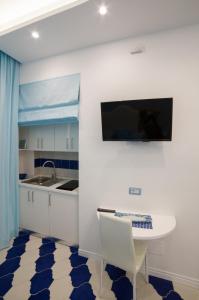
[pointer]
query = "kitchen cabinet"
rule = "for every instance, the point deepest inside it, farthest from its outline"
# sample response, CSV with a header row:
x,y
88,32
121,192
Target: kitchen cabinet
x,y
66,137
26,218
49,213
34,210
63,138
41,138
74,137
63,218
34,138
23,137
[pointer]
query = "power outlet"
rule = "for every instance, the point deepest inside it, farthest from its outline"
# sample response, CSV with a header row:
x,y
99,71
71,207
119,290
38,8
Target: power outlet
x,y
135,191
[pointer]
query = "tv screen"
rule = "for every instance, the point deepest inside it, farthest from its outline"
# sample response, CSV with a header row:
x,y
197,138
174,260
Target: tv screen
x,y
137,120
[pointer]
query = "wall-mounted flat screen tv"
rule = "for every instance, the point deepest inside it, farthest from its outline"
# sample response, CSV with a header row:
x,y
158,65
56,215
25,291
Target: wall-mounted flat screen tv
x,y
137,120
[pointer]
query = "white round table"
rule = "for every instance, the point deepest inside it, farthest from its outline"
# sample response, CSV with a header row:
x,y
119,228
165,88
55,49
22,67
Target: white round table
x,y
162,226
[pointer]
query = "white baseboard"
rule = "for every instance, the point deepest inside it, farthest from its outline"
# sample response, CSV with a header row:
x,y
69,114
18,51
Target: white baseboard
x,y
89,254
189,281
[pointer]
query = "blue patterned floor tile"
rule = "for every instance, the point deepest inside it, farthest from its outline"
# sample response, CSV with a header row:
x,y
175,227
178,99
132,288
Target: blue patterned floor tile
x,y
123,289
44,295
173,296
25,232
84,292
77,260
47,240
16,251
44,262
162,286
9,266
114,272
41,281
5,284
80,275
21,240
47,248
74,249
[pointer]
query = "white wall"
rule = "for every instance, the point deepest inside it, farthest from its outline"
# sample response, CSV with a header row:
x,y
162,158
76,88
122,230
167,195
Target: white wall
x,y
168,172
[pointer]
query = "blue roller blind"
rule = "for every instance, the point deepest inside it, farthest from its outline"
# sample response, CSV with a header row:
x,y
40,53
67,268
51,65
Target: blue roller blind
x,y
49,101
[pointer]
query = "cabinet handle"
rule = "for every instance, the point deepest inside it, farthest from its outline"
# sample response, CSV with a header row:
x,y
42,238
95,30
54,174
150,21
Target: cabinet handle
x,y
49,199
37,143
29,196
42,143
71,143
32,196
66,143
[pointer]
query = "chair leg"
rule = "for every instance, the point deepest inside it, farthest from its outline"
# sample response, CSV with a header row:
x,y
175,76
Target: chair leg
x,y
146,270
101,276
134,287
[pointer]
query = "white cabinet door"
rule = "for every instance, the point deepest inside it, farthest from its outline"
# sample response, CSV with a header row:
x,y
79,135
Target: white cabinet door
x,y
50,214
26,217
23,137
41,138
34,210
40,211
34,138
47,138
74,137
62,141
66,137
63,214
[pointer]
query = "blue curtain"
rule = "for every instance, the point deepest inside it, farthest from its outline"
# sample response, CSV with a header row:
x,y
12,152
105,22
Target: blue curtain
x,y
9,199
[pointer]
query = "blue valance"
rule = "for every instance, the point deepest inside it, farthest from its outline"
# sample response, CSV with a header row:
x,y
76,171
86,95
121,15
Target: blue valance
x,y
49,101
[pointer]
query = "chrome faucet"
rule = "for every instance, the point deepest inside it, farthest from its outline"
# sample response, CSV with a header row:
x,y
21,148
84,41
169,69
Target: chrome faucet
x,y
53,164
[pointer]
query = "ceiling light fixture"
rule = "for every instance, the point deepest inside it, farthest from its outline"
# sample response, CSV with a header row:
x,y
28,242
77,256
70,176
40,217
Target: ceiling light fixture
x,y
35,34
103,10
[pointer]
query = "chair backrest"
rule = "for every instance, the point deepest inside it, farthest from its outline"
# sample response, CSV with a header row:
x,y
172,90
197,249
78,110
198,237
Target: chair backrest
x,y
117,242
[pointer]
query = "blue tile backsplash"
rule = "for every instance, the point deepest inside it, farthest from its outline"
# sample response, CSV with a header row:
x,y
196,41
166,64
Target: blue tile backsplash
x,y
59,163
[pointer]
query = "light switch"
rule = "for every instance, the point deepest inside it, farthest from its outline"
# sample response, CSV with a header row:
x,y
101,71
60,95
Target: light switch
x,y
135,191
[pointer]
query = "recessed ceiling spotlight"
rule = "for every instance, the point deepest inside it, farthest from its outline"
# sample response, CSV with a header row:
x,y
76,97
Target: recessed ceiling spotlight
x,y
103,10
35,34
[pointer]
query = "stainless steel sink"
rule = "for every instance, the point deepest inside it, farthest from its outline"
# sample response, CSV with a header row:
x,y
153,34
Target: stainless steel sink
x,y
42,180
51,182
39,180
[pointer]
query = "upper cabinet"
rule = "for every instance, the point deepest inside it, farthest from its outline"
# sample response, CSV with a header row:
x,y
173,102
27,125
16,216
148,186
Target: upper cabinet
x,y
74,137
63,138
41,138
23,138
62,133
66,138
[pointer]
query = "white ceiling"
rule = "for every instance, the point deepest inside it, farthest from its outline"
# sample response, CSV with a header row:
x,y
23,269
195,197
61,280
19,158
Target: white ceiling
x,y
16,14
82,26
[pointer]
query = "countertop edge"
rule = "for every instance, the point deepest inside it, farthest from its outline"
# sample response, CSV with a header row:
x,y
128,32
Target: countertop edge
x,y
49,189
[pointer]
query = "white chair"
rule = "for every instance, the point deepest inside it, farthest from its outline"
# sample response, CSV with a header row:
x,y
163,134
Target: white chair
x,y
119,248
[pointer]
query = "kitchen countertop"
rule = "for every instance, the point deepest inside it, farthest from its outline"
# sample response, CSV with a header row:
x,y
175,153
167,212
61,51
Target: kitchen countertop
x,y
51,188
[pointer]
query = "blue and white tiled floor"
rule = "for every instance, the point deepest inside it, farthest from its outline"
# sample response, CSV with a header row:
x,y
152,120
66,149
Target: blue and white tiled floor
x,y
42,269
